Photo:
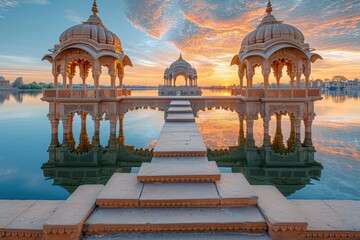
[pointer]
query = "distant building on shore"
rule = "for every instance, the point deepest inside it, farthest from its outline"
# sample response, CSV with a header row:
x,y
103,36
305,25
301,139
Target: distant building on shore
x,y
336,83
180,68
5,84
353,84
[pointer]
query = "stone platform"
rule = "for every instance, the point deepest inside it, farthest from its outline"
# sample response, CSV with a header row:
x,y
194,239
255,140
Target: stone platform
x,y
179,191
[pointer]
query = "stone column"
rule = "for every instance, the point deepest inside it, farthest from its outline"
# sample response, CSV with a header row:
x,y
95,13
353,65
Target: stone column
x,y
121,76
112,140
96,81
56,80
307,80
278,143
266,123
65,122
121,138
266,70
297,132
83,82
71,82
96,137
64,80
308,130
113,80
96,74
84,73
70,132
250,143
54,132
292,78
292,138
84,143
298,80
249,75
278,77
241,130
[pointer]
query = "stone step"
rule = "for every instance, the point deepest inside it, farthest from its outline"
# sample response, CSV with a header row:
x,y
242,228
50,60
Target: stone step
x,y
180,103
180,117
25,219
112,221
283,219
182,236
179,171
180,140
177,110
179,195
122,190
330,219
235,190
186,160
68,220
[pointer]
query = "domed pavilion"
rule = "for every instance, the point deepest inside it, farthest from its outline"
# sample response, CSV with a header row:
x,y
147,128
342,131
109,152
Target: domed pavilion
x,y
180,68
89,46
272,46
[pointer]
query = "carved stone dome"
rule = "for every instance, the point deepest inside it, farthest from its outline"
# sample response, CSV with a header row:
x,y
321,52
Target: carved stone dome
x,y
93,30
271,29
180,63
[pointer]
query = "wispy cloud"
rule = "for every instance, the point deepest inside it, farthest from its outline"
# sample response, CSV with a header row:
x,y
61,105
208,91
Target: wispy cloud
x,y
73,16
38,2
6,5
213,30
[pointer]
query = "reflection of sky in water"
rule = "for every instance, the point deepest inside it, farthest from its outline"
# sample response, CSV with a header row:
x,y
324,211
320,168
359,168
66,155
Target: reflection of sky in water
x,y
25,136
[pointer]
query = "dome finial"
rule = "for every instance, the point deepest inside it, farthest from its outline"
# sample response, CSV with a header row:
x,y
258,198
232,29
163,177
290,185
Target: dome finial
x,y
269,8
180,58
95,9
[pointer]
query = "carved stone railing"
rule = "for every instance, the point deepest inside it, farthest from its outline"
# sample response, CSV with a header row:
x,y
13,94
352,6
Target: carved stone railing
x,y
277,93
179,91
314,92
85,93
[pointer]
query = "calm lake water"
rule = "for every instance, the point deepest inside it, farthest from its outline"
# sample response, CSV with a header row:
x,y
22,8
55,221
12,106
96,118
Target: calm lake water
x,y
25,137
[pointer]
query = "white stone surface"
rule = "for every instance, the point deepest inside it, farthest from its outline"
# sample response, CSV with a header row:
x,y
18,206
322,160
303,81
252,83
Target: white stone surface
x,y
180,117
276,208
182,236
180,110
77,207
35,217
179,168
180,103
179,192
234,186
330,215
153,216
180,127
121,187
11,209
185,160
181,140
349,210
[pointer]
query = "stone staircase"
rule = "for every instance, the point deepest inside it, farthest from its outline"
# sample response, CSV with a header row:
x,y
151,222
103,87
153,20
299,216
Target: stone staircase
x,y
180,190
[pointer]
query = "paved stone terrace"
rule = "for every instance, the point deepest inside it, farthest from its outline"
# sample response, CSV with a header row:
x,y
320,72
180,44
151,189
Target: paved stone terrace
x,y
179,191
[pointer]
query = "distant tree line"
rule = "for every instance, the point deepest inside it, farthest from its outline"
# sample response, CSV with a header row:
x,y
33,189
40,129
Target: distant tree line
x,y
19,83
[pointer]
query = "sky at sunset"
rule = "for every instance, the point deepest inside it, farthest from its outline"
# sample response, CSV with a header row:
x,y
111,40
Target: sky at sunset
x,y
153,32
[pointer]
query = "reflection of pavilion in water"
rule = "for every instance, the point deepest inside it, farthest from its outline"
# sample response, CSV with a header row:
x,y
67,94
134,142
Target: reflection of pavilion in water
x,y
290,163
73,163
